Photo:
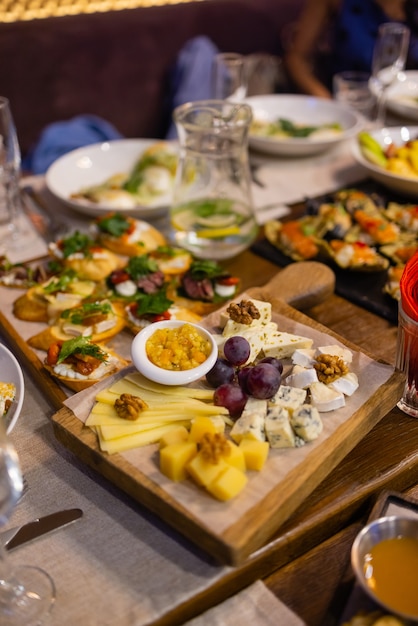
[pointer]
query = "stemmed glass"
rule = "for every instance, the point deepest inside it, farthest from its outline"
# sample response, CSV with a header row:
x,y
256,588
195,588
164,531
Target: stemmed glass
x,y
389,58
10,163
229,77
26,592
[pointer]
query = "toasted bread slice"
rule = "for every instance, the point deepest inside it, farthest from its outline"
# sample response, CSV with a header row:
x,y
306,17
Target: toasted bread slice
x,y
138,236
64,329
77,381
136,324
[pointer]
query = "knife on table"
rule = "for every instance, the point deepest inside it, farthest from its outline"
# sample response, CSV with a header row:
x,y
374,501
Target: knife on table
x,y
26,533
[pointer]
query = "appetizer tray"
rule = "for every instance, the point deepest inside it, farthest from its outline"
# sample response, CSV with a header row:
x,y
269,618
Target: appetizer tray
x,y
231,531
364,288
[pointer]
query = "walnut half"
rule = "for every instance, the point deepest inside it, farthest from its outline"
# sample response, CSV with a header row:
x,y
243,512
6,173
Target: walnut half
x,y
243,312
213,446
129,407
329,367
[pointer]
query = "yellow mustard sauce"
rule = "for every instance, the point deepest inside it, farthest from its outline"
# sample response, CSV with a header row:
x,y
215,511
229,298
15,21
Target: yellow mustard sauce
x,y
178,349
391,570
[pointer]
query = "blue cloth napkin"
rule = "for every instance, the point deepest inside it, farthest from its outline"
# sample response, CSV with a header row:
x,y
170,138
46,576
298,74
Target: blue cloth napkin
x,y
191,76
61,137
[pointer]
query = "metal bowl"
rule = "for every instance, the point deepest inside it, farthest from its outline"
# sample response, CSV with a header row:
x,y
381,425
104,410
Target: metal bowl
x,y
390,527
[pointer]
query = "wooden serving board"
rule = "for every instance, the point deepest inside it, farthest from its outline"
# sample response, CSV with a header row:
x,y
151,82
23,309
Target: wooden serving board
x,y
231,531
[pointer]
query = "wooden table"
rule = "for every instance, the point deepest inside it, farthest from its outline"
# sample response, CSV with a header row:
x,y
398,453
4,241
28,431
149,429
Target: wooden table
x,y
305,562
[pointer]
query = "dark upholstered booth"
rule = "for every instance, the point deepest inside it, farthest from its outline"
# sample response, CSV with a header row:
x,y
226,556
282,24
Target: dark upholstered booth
x,y
116,64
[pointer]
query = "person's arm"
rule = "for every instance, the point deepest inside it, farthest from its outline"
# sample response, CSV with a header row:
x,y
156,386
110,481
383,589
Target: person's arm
x,y
299,56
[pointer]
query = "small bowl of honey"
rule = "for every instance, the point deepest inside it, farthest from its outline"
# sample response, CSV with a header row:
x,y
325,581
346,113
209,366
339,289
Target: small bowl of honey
x,y
172,352
384,557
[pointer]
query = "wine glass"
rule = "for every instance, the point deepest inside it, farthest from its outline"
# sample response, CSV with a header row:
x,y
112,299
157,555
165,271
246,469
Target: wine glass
x,y
10,162
389,58
229,77
26,592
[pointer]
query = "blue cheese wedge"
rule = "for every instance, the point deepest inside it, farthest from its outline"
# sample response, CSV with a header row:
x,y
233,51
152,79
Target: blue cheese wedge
x,y
256,337
302,377
344,353
289,397
306,422
325,398
278,429
282,345
251,422
346,384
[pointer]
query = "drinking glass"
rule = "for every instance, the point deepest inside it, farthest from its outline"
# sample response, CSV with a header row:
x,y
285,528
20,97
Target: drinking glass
x,y
229,77
352,89
26,592
389,58
9,178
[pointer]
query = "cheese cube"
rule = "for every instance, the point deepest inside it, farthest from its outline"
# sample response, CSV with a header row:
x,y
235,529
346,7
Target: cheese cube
x,y
325,398
304,357
301,377
344,353
251,422
346,384
278,429
228,484
175,457
306,422
236,456
199,427
282,345
177,435
288,397
203,471
255,453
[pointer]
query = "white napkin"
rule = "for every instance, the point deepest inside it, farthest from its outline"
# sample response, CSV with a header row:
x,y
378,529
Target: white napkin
x,y
290,180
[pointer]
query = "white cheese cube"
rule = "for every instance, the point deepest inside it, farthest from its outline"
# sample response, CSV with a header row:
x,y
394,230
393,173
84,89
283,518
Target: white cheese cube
x,y
344,353
255,336
325,398
306,422
278,430
251,422
346,384
303,357
282,345
301,377
288,397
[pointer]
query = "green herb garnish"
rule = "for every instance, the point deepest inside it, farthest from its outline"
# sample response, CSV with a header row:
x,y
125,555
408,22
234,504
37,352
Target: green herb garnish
x,y
81,345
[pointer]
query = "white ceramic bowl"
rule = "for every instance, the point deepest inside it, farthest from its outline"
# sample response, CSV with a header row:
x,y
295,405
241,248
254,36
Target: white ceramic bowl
x,y
163,376
93,165
389,527
12,373
402,95
304,110
397,135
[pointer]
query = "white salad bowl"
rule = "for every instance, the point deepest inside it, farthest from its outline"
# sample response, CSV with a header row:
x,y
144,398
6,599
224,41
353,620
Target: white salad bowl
x,y
302,111
11,373
164,376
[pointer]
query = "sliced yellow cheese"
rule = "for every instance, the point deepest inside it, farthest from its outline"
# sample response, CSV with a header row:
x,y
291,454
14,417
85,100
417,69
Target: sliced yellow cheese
x,y
128,429
187,392
133,441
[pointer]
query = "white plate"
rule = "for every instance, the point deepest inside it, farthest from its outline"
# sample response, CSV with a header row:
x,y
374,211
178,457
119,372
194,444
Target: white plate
x,y
305,110
93,165
402,96
12,373
397,135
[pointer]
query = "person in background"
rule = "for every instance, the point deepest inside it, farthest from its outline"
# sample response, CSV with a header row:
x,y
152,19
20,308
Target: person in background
x,y
349,29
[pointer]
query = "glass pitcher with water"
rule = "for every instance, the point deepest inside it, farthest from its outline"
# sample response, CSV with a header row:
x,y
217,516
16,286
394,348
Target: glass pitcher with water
x,y
212,214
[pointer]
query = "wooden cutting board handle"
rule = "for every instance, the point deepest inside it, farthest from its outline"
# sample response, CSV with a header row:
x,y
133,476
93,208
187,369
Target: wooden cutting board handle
x,y
301,285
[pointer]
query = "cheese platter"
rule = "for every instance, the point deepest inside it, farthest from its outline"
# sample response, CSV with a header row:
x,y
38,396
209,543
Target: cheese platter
x,y
231,531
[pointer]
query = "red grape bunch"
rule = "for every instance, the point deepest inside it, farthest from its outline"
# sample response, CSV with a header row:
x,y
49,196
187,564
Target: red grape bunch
x,y
234,383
